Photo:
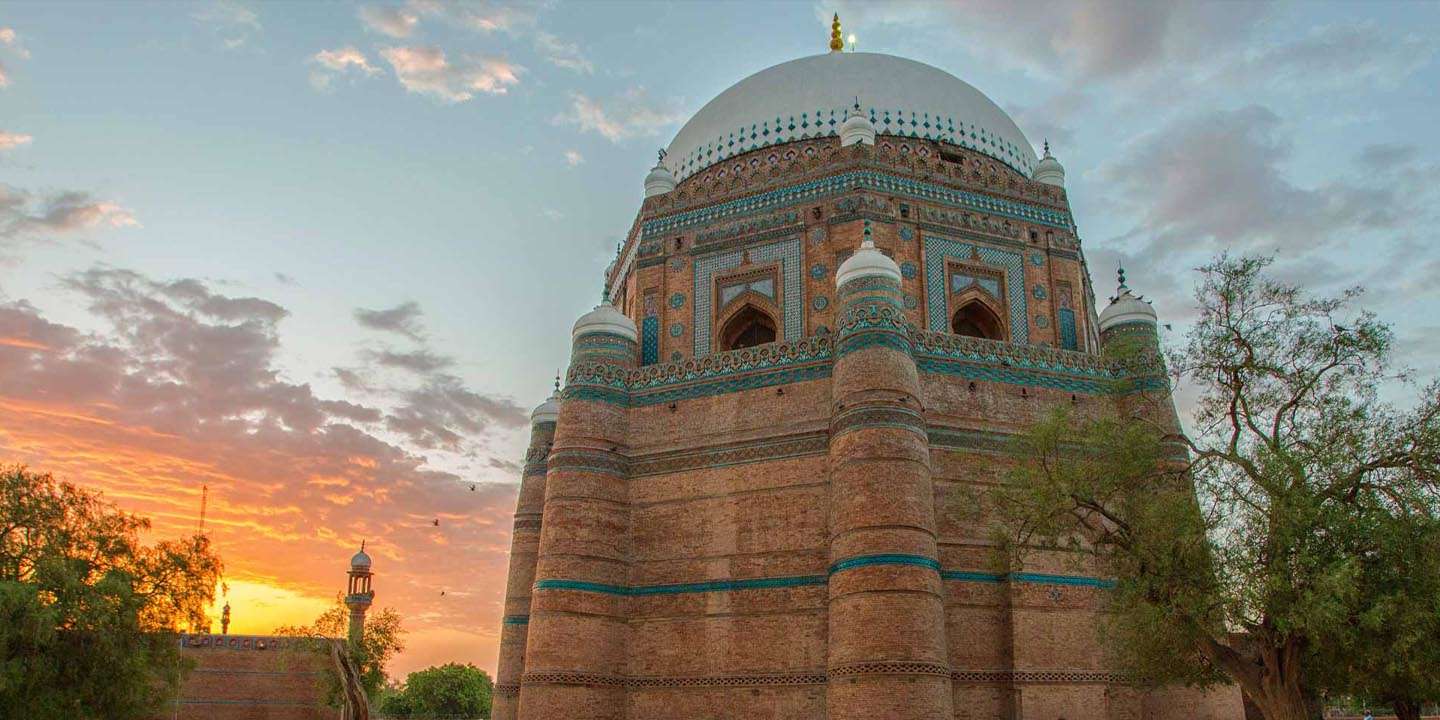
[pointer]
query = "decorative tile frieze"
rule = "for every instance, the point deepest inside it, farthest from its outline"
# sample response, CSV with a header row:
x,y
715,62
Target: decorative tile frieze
x,y
862,417
735,454
824,188
747,227
891,667
596,461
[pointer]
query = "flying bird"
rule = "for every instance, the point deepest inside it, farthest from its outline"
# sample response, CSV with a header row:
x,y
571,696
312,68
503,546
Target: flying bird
x,y
436,522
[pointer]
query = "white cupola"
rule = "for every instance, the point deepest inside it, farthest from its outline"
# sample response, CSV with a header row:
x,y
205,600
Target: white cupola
x,y
1126,307
857,128
1049,170
660,180
605,318
868,261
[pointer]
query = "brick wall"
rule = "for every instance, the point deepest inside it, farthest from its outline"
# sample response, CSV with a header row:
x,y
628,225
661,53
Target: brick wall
x,y
249,678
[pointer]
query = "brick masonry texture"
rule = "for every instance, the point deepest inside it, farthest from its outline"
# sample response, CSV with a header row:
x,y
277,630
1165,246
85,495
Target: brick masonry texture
x,y
801,530
249,678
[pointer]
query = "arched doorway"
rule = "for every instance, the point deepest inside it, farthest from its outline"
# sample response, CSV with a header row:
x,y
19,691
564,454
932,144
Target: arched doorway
x,y
976,319
747,328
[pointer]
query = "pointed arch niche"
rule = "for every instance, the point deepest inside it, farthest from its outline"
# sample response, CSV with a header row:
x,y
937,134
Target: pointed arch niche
x,y
976,305
748,308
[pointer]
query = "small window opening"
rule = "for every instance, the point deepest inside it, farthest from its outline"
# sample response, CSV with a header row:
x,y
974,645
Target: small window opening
x,y
749,327
974,319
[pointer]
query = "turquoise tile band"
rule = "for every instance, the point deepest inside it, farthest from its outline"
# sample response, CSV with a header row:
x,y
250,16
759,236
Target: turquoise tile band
x,y
808,580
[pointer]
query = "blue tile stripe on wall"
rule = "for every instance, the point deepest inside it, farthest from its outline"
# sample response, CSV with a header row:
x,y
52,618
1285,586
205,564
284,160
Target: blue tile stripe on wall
x,y
810,580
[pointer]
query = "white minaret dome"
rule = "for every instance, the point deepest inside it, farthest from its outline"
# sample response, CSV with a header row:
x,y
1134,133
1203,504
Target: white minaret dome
x,y
857,128
605,318
1125,307
548,411
660,180
361,560
868,261
1049,170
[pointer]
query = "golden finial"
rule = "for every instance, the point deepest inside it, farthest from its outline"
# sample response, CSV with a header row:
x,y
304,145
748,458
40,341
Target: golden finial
x,y
836,43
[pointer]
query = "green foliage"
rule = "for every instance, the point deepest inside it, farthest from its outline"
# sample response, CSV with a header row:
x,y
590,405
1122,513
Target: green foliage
x,y
445,691
381,641
1294,514
88,614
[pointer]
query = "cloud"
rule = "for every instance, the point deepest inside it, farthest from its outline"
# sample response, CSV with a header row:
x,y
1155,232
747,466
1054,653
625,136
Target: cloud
x,y
420,362
1217,179
403,319
1330,57
338,62
4,77
482,15
11,41
24,215
395,22
562,54
1061,39
425,70
234,23
12,140
1054,118
573,158
620,118
175,385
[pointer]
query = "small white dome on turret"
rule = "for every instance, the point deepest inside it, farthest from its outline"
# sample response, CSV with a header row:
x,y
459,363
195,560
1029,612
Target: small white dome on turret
x,y
361,560
1049,170
605,318
660,180
548,411
868,261
1126,307
857,128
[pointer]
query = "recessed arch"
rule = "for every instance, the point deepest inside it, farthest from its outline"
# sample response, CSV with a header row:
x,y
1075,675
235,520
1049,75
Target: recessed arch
x,y
975,318
747,327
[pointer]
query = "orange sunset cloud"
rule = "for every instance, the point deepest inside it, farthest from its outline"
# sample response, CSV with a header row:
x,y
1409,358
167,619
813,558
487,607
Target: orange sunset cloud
x,y
180,391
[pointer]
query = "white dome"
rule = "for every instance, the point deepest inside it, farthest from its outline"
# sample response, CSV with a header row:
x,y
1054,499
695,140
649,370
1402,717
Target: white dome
x,y
1126,308
659,181
548,411
857,128
360,560
809,97
866,262
1049,170
605,318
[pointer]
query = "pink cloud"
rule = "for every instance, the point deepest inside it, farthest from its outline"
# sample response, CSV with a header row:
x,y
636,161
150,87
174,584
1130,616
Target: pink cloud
x,y
426,70
12,140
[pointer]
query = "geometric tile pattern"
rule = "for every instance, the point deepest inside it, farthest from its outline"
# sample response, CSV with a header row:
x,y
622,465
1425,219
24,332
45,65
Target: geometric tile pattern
x,y
786,252
938,249
1068,341
650,340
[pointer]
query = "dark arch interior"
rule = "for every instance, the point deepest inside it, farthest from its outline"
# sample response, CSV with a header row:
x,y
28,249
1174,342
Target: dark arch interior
x,y
748,328
974,319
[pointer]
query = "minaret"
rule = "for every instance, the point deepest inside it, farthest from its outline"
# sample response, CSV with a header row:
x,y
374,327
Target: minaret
x,y
576,641
888,655
225,619
524,546
359,595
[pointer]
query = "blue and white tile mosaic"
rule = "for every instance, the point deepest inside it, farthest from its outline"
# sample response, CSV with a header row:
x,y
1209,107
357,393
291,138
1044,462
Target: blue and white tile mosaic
x,y
938,249
650,340
908,270
906,233
1037,259
677,329
786,252
677,300
1040,293
818,271
820,302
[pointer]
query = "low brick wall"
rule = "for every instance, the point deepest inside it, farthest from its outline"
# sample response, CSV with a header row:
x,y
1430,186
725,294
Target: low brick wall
x,y
250,677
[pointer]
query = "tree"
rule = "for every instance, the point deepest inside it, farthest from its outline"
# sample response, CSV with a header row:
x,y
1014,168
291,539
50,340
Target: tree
x,y
443,691
1263,521
88,614
1387,653
381,641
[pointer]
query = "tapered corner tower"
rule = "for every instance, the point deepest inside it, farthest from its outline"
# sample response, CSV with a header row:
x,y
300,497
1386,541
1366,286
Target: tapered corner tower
x,y
763,491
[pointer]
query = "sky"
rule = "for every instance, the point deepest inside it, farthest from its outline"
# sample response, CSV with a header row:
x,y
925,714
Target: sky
x,y
322,258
